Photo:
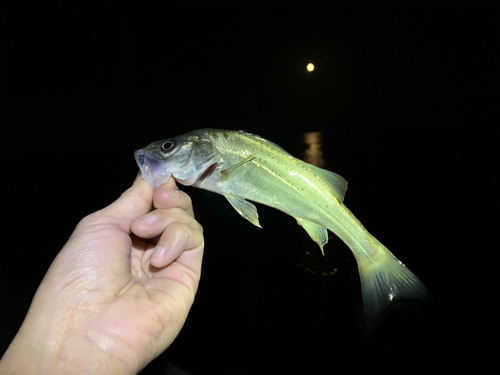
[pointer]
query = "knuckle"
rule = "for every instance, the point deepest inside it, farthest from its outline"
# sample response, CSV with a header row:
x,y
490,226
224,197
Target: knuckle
x,y
198,227
179,228
92,219
186,199
194,224
177,212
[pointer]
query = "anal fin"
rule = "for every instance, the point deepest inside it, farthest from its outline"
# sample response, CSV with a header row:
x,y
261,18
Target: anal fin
x,y
317,233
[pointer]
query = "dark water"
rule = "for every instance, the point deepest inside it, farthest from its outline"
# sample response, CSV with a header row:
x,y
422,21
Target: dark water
x,y
403,102
268,300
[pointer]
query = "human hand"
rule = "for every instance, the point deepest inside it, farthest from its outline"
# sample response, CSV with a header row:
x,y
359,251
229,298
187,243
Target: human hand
x,y
110,303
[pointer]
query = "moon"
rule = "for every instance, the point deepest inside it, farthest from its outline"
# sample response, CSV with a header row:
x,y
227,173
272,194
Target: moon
x,y
310,67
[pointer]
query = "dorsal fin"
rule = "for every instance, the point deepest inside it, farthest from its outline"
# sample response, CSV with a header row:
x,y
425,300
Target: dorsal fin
x,y
338,183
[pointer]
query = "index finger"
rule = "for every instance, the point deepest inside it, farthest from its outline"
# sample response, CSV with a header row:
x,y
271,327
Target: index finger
x,y
168,196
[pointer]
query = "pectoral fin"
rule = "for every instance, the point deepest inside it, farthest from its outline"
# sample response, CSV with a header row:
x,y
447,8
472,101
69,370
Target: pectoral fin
x,y
245,209
317,233
226,172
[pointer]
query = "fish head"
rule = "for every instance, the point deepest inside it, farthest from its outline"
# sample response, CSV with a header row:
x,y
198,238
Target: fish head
x,y
185,157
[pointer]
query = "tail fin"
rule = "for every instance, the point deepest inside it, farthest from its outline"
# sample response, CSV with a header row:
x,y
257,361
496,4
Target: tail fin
x,y
384,281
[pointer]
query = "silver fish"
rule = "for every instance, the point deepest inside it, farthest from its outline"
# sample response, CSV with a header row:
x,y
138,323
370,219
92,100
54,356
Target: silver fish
x,y
242,166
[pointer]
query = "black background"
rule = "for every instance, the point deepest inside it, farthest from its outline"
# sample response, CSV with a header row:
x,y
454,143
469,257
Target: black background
x,y
405,99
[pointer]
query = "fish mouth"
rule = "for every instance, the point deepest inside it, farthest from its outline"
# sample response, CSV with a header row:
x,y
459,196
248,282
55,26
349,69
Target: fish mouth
x,y
151,169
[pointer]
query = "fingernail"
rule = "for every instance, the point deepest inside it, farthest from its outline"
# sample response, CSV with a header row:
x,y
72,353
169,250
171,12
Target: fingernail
x,y
158,254
174,193
149,219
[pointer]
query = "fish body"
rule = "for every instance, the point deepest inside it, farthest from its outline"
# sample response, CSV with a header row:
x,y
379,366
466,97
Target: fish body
x,y
243,166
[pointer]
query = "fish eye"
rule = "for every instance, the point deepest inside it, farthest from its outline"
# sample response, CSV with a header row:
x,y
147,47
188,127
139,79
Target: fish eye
x,y
168,146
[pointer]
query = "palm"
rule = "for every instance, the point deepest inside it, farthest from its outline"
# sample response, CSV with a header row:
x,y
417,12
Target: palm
x,y
109,303
143,302
136,308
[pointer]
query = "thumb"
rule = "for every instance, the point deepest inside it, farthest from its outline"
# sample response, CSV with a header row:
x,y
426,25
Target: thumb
x,y
134,202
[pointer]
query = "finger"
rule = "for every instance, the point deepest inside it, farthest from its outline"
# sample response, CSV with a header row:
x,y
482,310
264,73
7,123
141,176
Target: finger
x,y
168,196
155,222
176,239
170,184
134,202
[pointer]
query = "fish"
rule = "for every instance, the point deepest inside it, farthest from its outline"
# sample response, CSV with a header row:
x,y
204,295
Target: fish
x,y
245,167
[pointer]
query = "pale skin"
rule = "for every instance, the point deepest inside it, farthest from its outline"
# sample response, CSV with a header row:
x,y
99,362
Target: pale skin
x,y
110,303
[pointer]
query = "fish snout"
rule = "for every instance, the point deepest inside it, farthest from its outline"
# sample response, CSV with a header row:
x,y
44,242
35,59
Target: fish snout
x,y
151,169
147,163
139,158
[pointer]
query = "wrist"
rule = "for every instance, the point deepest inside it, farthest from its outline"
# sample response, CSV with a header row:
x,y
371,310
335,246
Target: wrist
x,y
36,351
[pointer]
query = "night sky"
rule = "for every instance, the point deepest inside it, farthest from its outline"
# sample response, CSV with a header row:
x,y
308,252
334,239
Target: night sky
x,y
405,101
